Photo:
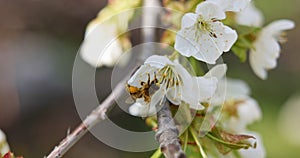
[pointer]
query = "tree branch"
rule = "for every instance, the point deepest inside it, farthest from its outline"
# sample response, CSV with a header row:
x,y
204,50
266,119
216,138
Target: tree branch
x,y
91,120
167,134
99,114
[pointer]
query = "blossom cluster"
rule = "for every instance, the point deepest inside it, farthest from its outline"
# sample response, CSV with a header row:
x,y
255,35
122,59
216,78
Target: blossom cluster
x,y
207,30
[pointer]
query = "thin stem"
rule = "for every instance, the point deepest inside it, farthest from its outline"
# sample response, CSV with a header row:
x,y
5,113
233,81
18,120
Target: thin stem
x,y
167,133
156,154
195,136
99,113
186,139
91,120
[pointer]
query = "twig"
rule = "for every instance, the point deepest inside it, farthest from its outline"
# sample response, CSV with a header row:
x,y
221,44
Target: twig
x,y
91,120
167,134
99,113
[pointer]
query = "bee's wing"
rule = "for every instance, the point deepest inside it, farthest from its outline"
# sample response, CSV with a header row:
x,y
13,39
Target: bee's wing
x,y
129,100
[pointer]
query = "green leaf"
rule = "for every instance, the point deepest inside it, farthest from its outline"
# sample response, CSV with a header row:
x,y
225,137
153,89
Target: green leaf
x,y
156,154
227,141
240,52
196,66
244,30
192,152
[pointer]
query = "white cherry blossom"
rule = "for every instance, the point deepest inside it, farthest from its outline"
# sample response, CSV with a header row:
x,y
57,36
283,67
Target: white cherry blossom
x,y
258,152
250,16
266,47
203,36
141,108
219,72
173,82
229,90
232,5
4,148
100,46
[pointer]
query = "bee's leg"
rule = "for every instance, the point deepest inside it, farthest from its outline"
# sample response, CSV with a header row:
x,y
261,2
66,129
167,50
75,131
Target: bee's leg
x,y
148,79
155,79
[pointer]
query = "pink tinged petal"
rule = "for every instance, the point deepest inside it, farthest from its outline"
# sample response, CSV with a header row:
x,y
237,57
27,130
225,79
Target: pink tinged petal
x,y
210,10
225,36
250,16
188,20
185,42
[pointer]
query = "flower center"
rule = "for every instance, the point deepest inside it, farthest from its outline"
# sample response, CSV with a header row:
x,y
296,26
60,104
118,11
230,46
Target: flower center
x,y
204,25
169,77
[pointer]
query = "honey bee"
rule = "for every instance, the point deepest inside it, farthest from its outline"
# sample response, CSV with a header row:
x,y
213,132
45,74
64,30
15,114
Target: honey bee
x,y
146,91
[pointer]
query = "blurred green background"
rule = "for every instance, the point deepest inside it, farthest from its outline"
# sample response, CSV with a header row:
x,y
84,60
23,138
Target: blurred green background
x,y
38,44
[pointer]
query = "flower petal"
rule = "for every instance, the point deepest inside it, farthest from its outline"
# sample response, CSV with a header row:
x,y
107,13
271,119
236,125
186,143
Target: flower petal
x,y
246,117
4,147
210,10
158,61
188,20
250,16
226,36
184,42
207,87
232,5
141,109
218,71
209,50
237,89
138,109
265,55
278,26
99,47
157,100
258,152
174,95
256,65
